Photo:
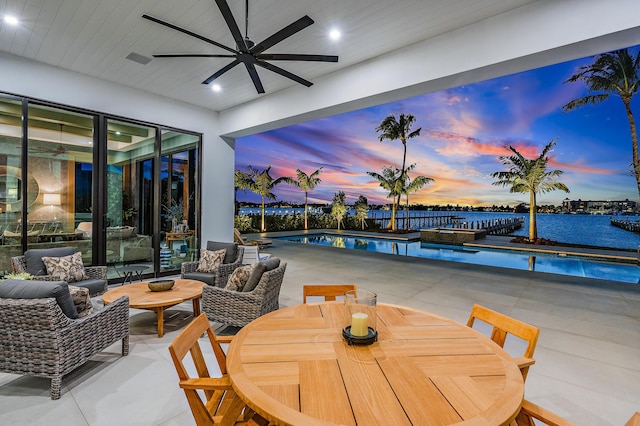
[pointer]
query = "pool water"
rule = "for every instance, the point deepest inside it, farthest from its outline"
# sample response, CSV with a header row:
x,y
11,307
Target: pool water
x,y
552,263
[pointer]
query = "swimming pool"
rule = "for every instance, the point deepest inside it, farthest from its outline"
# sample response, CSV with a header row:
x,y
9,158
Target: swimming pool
x,y
552,263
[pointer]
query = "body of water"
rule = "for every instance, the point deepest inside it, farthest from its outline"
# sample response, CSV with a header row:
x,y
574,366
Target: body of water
x,y
593,230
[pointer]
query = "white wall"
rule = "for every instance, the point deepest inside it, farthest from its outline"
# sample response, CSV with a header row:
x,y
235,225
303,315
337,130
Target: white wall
x,y
33,79
538,34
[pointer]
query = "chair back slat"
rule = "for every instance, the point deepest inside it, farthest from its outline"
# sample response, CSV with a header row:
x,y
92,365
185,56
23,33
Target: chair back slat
x,y
328,291
503,325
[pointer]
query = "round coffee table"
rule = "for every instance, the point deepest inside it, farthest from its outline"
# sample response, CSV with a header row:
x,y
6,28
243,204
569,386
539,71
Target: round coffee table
x,y
141,297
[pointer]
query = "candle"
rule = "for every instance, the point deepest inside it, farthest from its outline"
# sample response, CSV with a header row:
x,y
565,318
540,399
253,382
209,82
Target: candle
x,y
359,324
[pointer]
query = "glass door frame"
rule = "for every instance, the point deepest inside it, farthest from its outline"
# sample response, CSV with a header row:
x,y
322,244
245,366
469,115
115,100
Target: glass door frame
x,y
99,180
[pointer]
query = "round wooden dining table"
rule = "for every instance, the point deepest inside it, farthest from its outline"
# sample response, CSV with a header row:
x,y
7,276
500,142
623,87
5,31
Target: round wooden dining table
x,y
293,367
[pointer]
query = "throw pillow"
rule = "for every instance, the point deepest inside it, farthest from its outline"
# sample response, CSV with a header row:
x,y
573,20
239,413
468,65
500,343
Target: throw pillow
x,y
25,289
232,250
33,258
239,278
66,268
81,300
258,269
210,260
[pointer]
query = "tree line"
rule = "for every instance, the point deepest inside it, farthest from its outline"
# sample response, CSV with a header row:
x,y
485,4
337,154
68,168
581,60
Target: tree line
x,y
611,74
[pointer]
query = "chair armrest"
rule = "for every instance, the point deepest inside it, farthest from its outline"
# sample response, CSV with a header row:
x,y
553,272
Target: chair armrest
x,y
207,383
96,272
224,339
543,415
188,267
524,362
96,331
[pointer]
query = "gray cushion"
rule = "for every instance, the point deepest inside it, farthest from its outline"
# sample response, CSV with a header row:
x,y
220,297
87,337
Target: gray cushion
x,y
26,289
200,276
93,284
255,276
232,250
33,258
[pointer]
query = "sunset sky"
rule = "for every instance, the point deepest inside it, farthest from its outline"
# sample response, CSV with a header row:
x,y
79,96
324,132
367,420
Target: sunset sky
x,y
464,131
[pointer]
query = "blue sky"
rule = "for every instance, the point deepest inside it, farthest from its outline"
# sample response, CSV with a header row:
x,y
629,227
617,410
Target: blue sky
x,y
464,131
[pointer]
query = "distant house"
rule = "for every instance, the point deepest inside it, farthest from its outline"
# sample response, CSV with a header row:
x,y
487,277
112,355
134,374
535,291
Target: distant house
x,y
598,207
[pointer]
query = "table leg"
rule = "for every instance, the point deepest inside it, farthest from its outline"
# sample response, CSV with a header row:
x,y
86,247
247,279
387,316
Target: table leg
x,y
196,307
128,276
160,321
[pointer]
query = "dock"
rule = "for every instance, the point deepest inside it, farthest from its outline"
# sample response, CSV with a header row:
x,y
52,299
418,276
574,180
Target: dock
x,y
443,221
627,225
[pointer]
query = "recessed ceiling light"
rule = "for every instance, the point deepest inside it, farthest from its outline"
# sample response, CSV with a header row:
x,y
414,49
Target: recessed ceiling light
x,y
11,20
216,87
335,34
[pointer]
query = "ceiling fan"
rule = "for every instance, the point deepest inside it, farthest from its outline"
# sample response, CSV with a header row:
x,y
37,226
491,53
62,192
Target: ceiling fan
x,y
246,51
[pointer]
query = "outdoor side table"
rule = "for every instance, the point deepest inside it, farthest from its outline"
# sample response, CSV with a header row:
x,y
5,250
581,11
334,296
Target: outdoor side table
x,y
128,272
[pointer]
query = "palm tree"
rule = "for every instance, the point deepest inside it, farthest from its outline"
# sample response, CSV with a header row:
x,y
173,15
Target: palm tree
x,y
262,184
306,183
241,181
614,73
413,185
525,175
339,207
391,180
393,128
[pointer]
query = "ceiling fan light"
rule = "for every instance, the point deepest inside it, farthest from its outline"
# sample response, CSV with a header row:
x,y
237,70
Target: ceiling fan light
x,y
11,20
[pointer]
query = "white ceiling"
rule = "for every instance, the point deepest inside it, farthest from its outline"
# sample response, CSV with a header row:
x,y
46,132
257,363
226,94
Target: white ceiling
x,y
94,37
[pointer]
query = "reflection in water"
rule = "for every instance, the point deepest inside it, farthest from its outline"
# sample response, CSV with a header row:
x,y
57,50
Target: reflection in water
x,y
532,263
361,244
338,242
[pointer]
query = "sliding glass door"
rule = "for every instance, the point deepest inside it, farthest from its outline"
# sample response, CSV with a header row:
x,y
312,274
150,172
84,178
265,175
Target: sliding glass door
x,y
121,192
178,189
129,195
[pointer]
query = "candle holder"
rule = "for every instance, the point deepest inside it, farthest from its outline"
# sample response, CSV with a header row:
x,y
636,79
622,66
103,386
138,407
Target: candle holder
x,y
360,317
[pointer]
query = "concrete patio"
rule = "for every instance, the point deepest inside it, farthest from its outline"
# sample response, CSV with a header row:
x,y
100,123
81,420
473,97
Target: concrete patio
x,y
587,359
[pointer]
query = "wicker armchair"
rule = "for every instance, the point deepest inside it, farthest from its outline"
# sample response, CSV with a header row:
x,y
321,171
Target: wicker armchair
x,y
19,264
239,308
38,339
217,278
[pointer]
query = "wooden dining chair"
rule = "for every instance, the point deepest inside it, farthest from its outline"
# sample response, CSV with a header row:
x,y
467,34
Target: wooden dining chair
x,y
634,420
328,291
503,325
530,411
222,406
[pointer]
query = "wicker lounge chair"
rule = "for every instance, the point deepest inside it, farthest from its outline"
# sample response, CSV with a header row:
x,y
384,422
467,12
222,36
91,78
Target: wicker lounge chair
x,y
38,339
233,259
239,308
96,282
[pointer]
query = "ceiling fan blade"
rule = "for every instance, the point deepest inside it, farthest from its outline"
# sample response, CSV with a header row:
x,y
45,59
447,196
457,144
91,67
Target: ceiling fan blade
x,y
284,73
192,34
253,73
191,55
287,31
232,24
221,71
296,57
